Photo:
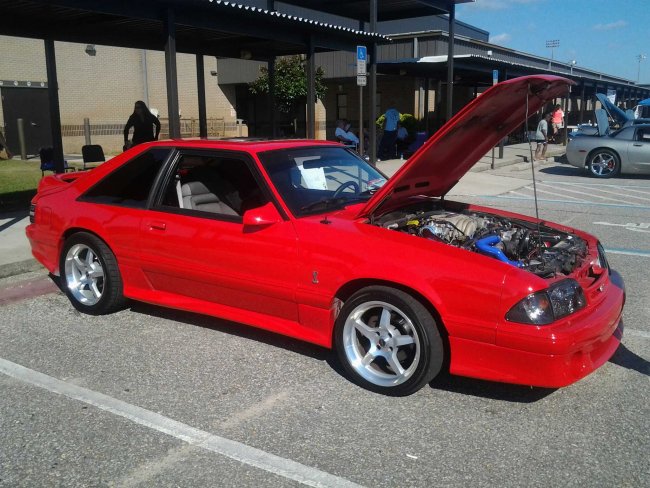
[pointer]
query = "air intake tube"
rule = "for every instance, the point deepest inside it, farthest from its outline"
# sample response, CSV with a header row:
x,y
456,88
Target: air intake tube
x,y
486,246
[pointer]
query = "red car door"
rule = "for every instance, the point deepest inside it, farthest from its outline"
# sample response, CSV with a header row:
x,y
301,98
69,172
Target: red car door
x,y
194,244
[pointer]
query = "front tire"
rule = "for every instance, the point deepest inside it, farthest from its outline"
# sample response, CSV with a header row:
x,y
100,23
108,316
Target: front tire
x,y
388,342
90,276
604,163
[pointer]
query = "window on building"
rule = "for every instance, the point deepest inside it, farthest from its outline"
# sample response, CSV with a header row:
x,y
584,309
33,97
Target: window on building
x,y
342,106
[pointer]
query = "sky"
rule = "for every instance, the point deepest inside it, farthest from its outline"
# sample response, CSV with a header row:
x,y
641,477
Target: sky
x,y
604,35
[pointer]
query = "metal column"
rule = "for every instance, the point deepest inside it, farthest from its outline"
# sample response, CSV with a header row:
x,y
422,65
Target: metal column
x,y
450,59
55,112
372,88
200,84
311,91
582,104
170,75
270,64
426,105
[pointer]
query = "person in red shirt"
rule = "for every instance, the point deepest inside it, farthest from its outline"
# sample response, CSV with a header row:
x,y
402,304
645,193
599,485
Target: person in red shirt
x,y
557,121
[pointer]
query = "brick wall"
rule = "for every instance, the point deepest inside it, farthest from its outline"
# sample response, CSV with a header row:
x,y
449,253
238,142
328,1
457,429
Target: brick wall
x,y
104,87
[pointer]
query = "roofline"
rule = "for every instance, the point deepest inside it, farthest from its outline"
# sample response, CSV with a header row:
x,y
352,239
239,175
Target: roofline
x,y
435,33
304,20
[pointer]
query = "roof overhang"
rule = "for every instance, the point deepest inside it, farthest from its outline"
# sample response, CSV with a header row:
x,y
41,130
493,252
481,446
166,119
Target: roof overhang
x,y
386,9
210,27
476,69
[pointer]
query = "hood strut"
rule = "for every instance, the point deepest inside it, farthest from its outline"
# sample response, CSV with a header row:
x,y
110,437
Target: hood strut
x,y
532,169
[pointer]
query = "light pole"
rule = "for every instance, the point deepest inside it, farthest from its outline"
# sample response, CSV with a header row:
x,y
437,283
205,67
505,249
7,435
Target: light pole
x,y
573,62
640,57
552,44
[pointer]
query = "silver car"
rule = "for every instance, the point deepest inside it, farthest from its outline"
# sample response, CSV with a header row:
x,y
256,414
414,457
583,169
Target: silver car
x,y
625,151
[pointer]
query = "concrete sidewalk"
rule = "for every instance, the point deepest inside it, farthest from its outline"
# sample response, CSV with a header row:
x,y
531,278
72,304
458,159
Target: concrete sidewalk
x,y
513,154
16,257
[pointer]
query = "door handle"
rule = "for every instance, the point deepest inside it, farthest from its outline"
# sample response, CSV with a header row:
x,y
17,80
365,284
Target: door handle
x,y
157,226
638,145
34,124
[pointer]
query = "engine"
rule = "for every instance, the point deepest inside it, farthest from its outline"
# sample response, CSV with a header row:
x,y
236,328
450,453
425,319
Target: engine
x,y
539,249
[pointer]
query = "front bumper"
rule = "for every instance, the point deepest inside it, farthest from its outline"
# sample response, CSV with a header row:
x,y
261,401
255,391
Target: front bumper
x,y
548,356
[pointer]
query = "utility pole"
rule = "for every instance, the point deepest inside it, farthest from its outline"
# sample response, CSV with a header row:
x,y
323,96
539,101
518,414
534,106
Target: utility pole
x,y
640,57
552,44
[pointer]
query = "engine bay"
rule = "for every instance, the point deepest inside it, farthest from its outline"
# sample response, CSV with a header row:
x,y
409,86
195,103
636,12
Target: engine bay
x,y
539,249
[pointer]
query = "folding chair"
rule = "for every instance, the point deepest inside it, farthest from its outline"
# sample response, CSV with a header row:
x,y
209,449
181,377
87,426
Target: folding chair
x,y
47,161
92,154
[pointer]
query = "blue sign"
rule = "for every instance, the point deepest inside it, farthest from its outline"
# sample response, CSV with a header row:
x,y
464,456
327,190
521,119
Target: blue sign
x,y
495,76
362,53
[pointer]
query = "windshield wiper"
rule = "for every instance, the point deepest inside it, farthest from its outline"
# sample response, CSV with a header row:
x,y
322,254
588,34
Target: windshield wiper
x,y
327,203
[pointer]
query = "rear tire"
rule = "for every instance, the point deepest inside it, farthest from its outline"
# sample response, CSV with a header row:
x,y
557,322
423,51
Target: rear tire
x,y
90,276
387,341
604,163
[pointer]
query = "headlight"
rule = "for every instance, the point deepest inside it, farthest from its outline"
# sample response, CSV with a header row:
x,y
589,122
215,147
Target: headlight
x,y
544,307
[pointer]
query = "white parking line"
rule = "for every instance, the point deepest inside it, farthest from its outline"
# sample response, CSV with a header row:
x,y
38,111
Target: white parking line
x,y
618,200
625,252
637,333
556,194
220,445
625,194
605,185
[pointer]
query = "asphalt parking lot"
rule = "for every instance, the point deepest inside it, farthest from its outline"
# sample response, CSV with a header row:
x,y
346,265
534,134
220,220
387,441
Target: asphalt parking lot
x,y
154,397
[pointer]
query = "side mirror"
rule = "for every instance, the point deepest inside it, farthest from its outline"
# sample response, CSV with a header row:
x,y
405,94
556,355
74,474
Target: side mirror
x,y
262,216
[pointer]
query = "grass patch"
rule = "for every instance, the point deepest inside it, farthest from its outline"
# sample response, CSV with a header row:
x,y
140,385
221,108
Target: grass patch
x,y
18,182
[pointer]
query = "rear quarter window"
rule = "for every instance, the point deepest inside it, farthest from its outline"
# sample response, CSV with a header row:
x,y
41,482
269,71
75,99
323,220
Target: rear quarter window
x,y
131,183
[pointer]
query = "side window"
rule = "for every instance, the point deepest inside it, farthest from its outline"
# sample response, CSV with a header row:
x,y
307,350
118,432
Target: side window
x,y
130,184
207,185
626,134
643,135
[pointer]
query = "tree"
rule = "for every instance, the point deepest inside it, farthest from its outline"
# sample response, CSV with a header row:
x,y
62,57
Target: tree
x,y
290,84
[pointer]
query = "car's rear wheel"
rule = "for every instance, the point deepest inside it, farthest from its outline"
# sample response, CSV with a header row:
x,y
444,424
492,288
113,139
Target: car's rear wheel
x,y
90,276
604,163
387,341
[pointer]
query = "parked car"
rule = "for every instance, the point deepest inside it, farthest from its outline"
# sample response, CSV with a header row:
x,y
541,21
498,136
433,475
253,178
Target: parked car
x,y
625,151
603,116
306,239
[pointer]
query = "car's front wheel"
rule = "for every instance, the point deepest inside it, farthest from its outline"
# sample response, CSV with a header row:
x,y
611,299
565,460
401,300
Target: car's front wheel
x,y
604,163
90,276
387,341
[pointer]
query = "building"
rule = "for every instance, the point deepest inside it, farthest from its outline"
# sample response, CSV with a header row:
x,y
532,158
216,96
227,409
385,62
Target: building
x,y
101,83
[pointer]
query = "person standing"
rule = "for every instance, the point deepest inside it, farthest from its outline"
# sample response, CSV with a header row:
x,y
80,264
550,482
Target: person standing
x,y
387,143
541,136
143,122
5,153
557,121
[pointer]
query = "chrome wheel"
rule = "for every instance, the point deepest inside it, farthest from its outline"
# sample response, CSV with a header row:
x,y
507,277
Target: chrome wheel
x,y
381,343
603,164
84,274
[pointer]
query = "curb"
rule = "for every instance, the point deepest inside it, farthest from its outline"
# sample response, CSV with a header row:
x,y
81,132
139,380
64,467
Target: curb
x,y
20,267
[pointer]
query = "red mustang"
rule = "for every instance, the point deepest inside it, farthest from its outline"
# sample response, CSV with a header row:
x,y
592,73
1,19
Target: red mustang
x,y
306,239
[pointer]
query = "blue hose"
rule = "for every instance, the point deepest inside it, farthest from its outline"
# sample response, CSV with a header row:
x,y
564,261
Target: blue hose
x,y
486,246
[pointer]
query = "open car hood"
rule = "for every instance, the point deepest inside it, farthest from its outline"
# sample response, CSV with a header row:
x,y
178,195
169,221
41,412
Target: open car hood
x,y
614,112
458,145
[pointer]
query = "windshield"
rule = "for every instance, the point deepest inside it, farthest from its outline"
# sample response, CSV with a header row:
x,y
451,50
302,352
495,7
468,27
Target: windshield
x,y
316,179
